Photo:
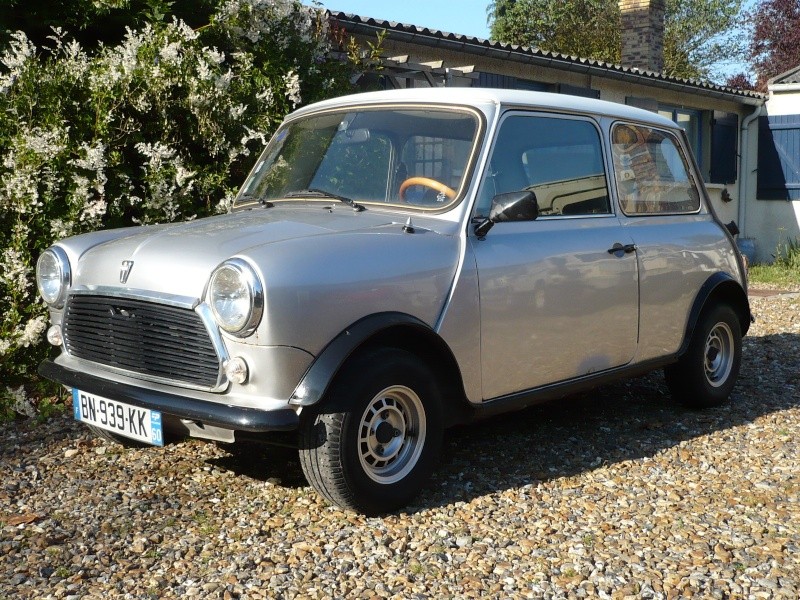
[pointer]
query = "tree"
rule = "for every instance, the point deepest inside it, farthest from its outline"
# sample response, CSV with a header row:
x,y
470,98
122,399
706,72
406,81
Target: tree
x,y
160,126
587,28
741,81
775,41
93,21
699,35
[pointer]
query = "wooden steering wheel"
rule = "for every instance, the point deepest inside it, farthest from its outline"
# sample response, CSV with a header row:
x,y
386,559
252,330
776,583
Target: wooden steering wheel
x,y
427,182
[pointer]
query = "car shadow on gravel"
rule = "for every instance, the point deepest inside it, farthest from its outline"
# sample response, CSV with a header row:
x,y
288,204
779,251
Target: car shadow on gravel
x,y
625,421
262,462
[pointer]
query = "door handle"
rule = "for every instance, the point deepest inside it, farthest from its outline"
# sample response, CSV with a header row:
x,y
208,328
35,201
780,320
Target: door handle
x,y
627,248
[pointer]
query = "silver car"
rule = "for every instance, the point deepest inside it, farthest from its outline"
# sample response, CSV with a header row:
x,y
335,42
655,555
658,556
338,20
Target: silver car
x,y
398,262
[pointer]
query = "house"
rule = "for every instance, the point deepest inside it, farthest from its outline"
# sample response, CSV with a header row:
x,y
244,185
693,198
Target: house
x,y
722,123
775,213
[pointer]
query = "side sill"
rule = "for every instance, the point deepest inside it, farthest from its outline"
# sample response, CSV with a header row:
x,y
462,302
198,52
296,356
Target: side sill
x,y
520,400
209,413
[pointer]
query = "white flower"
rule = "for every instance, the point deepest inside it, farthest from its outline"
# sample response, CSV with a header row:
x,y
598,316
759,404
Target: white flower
x,y
93,211
170,54
47,143
33,331
14,270
21,404
93,157
15,58
182,176
265,96
292,82
59,229
237,111
156,152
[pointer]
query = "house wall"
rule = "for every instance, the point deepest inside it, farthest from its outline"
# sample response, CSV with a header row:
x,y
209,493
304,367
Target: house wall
x,y
771,222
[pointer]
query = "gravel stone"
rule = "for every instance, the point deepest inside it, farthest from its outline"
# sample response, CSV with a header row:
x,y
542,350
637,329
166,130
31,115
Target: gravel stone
x,y
617,493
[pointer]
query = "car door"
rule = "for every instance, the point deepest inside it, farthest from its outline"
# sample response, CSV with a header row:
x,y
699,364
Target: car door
x,y
559,294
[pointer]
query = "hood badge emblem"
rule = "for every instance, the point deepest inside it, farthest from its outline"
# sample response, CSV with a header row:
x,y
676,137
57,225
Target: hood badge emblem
x,y
125,271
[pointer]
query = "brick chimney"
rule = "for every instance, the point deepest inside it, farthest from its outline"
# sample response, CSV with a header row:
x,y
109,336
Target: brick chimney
x,y
643,34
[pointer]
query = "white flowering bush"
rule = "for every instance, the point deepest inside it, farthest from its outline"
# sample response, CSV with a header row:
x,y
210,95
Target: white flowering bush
x,y
160,127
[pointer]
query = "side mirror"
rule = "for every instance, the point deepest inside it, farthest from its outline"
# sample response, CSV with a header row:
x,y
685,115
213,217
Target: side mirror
x,y
512,206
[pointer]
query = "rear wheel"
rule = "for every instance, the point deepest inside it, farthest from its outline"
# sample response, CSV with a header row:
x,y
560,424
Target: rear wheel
x,y
706,374
372,443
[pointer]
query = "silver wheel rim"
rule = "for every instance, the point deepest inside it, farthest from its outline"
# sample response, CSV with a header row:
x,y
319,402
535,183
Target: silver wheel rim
x,y
718,354
391,434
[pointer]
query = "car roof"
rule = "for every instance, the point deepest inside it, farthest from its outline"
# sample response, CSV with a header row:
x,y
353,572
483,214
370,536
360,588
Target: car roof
x,y
483,98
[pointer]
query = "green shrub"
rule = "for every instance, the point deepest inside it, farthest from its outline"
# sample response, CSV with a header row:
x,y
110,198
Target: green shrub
x,y
788,255
160,127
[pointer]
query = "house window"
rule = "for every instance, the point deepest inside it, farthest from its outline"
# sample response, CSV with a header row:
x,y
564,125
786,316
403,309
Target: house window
x,y
689,121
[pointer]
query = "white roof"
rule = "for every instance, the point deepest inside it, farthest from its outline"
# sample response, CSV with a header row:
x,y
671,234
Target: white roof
x,y
482,98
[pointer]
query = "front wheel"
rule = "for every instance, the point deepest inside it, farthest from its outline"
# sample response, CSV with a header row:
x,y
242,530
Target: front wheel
x,y
705,375
372,443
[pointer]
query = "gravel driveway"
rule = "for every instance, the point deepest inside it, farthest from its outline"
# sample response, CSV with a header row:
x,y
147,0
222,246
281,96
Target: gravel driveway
x,y
617,493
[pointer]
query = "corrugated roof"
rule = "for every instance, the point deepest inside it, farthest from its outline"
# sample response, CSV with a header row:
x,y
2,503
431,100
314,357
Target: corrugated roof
x,y
424,36
788,77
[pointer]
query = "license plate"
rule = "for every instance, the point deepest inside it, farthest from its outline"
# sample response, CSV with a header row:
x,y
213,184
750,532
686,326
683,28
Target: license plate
x,y
118,417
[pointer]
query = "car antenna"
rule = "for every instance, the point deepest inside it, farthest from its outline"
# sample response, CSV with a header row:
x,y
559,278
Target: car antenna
x,y
409,226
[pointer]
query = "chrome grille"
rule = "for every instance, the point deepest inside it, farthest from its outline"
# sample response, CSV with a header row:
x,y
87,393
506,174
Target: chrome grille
x,y
153,340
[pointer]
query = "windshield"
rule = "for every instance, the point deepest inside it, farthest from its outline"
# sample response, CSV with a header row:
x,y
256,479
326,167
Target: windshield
x,y
407,156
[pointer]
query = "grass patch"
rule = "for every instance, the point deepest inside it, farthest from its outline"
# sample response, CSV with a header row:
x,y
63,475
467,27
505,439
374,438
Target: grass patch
x,y
774,275
785,269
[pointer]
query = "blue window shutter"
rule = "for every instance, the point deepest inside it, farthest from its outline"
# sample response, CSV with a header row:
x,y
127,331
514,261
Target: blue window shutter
x,y
724,147
509,82
574,90
494,80
779,158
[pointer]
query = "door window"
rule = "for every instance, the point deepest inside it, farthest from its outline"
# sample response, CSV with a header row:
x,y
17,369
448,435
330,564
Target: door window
x,y
652,172
559,159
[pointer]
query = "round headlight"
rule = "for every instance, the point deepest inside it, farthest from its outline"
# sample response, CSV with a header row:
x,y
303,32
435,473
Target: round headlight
x,y
236,297
53,276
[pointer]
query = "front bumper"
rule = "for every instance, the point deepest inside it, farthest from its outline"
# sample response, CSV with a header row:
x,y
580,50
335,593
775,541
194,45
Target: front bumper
x,y
210,413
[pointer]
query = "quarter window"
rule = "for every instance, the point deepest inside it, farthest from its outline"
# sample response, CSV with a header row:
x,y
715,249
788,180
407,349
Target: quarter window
x,y
559,159
652,173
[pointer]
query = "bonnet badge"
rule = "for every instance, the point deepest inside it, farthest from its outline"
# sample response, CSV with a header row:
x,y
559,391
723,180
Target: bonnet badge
x,y
127,265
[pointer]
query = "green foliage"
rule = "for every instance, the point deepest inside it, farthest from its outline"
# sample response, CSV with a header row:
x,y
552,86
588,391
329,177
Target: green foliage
x,y
94,21
788,255
160,127
700,35
587,28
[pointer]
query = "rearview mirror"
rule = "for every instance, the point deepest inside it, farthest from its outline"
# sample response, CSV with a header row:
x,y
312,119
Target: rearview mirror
x,y
512,206
355,136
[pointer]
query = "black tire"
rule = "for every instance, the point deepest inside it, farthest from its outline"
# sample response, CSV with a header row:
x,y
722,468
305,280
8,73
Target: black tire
x,y
116,439
373,441
706,373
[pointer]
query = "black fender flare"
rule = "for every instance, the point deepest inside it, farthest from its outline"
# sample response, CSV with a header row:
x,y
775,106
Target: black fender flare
x,y
316,380
726,287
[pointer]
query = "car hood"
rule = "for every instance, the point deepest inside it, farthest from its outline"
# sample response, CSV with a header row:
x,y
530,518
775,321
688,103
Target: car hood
x,y
178,258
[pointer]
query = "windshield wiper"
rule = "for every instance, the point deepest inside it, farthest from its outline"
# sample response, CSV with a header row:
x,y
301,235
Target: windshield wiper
x,y
318,193
261,201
